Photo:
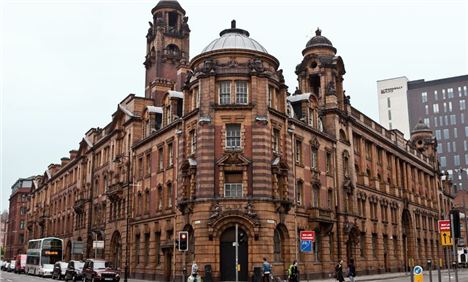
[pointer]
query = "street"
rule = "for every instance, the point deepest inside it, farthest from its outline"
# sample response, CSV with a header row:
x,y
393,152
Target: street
x,y
462,277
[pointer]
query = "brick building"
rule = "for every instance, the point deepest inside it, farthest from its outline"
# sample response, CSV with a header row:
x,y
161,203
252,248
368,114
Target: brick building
x,y
16,235
218,141
3,232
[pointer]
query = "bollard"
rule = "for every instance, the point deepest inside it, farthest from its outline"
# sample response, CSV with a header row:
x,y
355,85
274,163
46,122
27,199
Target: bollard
x,y
412,275
429,266
439,274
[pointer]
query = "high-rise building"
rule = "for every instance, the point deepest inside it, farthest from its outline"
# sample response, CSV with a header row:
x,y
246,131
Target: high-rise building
x,y
441,104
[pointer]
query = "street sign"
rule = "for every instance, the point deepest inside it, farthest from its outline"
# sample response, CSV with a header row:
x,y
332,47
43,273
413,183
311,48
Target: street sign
x,y
308,235
98,244
445,238
444,225
306,246
418,274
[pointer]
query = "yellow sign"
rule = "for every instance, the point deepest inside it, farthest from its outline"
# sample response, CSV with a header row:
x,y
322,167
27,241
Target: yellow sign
x,y
418,278
238,267
445,238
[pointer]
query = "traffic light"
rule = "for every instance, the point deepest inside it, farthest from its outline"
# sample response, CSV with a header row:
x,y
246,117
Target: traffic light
x,y
456,223
183,241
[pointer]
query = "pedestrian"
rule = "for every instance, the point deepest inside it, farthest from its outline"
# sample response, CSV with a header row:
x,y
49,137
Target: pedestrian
x,y
293,272
351,270
339,271
266,270
194,277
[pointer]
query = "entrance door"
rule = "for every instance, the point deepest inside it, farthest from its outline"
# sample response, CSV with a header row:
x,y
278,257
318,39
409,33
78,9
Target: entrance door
x,y
228,255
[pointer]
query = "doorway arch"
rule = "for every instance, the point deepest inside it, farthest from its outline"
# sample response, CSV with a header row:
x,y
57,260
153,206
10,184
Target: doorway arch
x,y
407,238
228,254
116,249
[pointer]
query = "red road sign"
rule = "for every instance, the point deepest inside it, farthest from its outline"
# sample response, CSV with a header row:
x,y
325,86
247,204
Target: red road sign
x,y
308,236
444,225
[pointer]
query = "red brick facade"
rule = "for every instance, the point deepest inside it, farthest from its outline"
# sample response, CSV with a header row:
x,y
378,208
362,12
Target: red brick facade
x,y
219,142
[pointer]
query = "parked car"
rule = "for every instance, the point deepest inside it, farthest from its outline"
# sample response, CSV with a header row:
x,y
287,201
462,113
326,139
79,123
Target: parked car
x,y
7,266
73,271
12,266
46,270
60,268
4,265
20,265
99,270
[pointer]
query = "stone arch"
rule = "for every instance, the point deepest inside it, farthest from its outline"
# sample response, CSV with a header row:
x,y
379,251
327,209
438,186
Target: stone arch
x,y
116,249
408,241
281,249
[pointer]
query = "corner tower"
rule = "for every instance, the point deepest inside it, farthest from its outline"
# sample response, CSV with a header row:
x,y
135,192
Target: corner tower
x,y
167,49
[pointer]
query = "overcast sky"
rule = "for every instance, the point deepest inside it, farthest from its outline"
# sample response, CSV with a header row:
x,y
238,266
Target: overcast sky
x,y
66,64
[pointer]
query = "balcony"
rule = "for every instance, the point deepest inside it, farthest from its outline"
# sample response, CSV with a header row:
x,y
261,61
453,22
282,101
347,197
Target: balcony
x,y
79,205
115,191
320,215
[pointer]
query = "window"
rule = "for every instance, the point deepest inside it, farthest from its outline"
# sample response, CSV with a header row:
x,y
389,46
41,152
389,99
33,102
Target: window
x,y
450,93
233,184
23,210
277,246
368,150
233,136
170,155
314,158
298,149
161,158
362,244
241,92
374,244
426,109
315,196
438,134
456,160
435,108
148,201
160,198
140,168
389,115
446,134
424,97
158,248
148,164
147,248
453,119
388,102
193,142
224,92
462,118
21,224
169,195
466,131
328,163
443,94
426,121
270,96
311,120
436,97
435,122
276,140
443,161
299,193
462,105
137,249
330,199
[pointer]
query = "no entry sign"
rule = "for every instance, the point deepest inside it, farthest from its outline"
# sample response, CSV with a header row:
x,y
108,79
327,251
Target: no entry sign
x,y
308,236
444,225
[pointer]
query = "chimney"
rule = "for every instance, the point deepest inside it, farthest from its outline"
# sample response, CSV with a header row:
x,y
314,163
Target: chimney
x,y
64,161
73,154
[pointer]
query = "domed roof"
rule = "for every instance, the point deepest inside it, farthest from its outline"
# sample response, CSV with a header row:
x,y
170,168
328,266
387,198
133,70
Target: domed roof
x,y
420,127
320,41
172,4
234,38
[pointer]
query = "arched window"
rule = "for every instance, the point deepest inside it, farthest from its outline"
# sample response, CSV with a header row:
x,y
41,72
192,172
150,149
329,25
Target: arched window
x,y
148,200
160,197
169,195
278,245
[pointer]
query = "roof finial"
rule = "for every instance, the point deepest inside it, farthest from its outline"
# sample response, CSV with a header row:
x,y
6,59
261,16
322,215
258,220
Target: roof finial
x,y
233,24
318,32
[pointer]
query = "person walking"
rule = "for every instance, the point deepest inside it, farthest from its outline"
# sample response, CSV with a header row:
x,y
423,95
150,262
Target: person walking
x,y
194,277
339,271
351,270
293,272
266,270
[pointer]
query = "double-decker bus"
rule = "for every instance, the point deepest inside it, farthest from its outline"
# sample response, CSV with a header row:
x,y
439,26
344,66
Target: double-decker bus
x,y
43,251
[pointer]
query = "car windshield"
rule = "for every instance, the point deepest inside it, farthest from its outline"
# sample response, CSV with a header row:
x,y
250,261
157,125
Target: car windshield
x,y
79,265
100,265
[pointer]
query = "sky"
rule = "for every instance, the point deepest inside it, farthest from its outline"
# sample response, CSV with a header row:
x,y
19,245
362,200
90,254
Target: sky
x,y
65,65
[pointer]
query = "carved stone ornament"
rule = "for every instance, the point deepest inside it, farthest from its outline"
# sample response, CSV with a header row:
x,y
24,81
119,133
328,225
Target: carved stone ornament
x,y
208,66
215,211
150,34
256,65
249,210
331,90
348,185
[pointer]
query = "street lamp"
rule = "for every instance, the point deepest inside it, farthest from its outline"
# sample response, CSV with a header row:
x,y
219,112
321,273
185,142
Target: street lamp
x,y
120,159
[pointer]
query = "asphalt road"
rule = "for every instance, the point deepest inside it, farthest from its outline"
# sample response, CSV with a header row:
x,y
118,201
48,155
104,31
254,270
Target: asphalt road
x,y
13,277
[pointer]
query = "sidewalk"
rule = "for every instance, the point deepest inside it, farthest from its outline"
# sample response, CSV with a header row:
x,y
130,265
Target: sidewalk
x,y
376,277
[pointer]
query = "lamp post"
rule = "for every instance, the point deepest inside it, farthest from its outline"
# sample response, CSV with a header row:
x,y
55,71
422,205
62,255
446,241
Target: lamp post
x,y
127,255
